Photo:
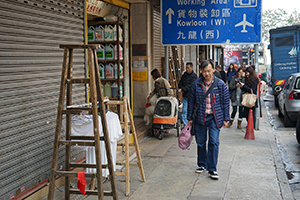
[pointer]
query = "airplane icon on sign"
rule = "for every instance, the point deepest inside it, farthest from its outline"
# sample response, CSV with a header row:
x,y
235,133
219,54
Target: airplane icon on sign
x,y
244,23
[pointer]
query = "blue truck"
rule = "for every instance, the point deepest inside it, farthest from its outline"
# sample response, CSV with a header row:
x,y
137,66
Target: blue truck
x,y
284,48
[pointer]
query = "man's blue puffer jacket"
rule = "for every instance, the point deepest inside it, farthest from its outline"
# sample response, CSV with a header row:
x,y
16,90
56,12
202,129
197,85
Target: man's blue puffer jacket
x,y
219,102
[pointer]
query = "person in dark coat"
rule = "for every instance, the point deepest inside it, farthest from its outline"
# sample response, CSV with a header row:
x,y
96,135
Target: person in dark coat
x,y
236,97
250,85
212,115
184,85
230,72
222,73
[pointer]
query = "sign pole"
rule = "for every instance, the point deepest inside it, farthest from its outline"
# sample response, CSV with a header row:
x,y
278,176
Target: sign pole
x,y
257,110
166,63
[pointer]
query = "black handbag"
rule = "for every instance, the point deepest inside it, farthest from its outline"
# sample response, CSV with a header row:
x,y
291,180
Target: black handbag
x,y
201,101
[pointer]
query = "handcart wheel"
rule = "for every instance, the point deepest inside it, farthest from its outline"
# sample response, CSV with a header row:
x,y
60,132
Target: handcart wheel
x,y
160,135
178,128
153,131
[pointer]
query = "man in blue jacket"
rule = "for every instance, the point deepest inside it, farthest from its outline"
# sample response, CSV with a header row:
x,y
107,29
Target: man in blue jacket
x,y
212,114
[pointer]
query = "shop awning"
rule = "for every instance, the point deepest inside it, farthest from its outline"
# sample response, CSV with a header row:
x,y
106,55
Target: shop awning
x,y
124,3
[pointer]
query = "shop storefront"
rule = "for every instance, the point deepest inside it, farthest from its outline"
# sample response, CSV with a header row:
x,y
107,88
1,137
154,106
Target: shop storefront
x,y
108,25
30,73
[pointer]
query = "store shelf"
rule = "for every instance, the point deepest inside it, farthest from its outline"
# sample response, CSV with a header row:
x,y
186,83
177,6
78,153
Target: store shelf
x,y
109,61
105,42
96,23
111,79
119,44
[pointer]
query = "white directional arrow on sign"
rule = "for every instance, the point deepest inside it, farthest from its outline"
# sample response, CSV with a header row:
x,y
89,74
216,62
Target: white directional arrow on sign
x,y
170,12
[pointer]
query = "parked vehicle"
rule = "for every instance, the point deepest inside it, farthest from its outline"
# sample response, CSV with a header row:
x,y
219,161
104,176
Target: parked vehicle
x,y
284,47
288,100
298,126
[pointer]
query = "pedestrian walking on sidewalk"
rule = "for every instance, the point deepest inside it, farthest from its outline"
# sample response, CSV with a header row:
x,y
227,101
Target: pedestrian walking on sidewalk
x,y
222,73
184,85
230,72
250,85
236,97
213,113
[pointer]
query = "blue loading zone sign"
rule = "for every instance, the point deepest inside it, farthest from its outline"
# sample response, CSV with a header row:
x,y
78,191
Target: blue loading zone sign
x,y
187,22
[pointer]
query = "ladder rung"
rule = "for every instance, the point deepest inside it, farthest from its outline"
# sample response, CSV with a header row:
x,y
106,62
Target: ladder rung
x,y
120,174
75,110
78,80
123,144
80,46
82,137
130,163
90,192
123,123
76,143
73,174
85,165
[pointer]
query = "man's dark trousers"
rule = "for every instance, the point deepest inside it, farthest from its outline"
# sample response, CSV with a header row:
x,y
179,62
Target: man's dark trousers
x,y
208,159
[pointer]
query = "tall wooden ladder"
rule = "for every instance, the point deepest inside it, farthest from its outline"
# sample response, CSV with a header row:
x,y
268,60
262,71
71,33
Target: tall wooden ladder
x,y
96,95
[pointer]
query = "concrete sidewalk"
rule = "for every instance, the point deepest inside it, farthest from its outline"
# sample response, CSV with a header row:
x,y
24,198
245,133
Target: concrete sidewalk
x,y
248,169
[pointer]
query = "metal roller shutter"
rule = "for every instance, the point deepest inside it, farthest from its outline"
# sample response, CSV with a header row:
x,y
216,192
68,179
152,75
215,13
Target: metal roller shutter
x,y
30,70
191,54
158,49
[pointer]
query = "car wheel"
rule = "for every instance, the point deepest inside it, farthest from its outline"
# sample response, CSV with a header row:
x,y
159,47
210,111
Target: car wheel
x,y
298,130
279,113
286,120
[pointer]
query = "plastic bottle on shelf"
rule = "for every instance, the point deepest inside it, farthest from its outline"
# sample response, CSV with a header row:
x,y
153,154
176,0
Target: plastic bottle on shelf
x,y
116,52
109,33
91,34
109,52
121,52
103,88
101,70
120,33
116,70
109,71
121,89
114,90
121,72
107,89
101,53
99,33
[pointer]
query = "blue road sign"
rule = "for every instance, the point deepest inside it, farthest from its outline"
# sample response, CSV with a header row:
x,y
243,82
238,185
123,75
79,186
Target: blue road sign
x,y
210,21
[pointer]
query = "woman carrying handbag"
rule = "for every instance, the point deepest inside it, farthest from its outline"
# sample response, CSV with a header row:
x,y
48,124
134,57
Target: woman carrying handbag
x,y
236,97
250,86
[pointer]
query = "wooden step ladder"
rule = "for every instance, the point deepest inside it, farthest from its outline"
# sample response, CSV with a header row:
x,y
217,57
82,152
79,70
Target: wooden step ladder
x,y
125,142
96,95
178,66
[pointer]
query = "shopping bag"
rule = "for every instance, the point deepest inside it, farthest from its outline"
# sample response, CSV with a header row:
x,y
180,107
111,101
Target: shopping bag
x,y
249,99
185,137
